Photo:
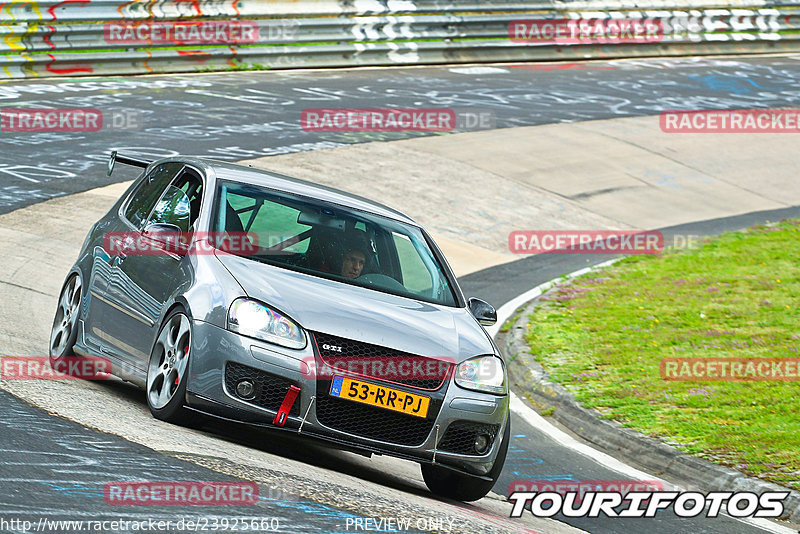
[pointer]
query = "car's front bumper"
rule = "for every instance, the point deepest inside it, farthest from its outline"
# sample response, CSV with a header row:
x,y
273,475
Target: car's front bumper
x,y
206,392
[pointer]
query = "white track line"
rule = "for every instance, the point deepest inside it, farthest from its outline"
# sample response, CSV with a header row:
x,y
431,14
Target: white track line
x,y
565,440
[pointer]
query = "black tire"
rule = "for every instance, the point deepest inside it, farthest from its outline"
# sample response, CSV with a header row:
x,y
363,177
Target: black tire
x,y
461,487
64,332
174,410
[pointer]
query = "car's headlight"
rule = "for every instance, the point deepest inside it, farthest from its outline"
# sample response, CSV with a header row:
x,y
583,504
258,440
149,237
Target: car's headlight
x,y
484,373
253,319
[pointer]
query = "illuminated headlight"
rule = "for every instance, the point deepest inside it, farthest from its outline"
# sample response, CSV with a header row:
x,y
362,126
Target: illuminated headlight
x,y
253,319
484,373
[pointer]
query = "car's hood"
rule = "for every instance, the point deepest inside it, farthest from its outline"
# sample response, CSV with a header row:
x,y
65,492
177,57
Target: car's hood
x,y
362,314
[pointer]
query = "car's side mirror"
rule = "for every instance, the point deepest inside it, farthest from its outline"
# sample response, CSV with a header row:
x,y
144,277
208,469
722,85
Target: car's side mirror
x,y
169,235
154,229
482,311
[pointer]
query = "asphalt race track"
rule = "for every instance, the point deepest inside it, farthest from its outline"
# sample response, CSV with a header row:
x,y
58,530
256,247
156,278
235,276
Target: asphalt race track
x,y
235,116
65,466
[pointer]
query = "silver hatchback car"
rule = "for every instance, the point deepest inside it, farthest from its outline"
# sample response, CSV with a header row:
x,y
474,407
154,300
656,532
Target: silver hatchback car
x,y
247,295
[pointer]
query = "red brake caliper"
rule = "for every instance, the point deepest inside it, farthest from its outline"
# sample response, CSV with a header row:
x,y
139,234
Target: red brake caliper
x,y
286,406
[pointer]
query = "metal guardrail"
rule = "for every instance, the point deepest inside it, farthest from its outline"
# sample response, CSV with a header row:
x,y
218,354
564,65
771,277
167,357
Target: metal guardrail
x,y
102,37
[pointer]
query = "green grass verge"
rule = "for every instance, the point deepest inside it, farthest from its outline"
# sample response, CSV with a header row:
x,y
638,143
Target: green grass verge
x,y
510,322
603,336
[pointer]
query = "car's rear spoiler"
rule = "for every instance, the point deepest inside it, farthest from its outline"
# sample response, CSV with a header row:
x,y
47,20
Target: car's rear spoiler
x,y
126,160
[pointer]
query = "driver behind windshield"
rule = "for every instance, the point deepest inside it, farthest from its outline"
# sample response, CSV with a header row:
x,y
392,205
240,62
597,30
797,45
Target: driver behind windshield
x,y
354,259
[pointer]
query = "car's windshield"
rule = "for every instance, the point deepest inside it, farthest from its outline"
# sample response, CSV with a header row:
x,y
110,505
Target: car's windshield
x,y
331,241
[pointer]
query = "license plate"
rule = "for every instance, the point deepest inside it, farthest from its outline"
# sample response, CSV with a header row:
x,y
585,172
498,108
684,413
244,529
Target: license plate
x,y
374,395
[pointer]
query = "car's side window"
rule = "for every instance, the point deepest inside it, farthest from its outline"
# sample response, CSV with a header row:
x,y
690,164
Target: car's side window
x,y
145,196
173,208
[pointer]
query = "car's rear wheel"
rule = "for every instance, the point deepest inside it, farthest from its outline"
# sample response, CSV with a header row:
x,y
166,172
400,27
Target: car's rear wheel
x,y
462,487
168,369
65,323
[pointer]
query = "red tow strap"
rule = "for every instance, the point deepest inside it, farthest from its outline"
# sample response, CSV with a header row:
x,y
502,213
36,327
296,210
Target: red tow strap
x,y
286,406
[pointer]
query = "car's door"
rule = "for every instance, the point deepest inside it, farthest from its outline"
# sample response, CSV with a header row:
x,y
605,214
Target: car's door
x,y
149,277
108,312
107,255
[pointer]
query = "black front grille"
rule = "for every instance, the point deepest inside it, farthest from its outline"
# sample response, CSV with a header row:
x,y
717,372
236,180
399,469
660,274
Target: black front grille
x,y
382,363
374,423
270,389
460,437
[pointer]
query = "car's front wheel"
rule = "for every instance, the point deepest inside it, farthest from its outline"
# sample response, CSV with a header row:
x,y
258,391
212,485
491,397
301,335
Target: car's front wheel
x,y
462,487
65,323
168,369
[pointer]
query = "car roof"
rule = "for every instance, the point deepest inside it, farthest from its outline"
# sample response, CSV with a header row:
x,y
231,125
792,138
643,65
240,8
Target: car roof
x,y
289,184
